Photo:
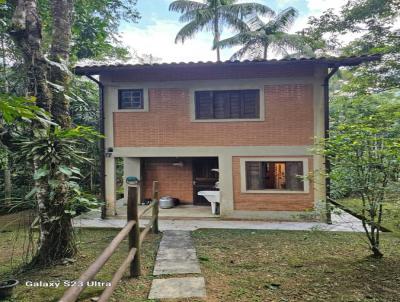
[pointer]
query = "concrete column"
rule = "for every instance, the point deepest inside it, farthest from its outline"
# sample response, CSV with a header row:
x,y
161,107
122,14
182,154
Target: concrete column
x,y
225,184
319,160
111,186
132,168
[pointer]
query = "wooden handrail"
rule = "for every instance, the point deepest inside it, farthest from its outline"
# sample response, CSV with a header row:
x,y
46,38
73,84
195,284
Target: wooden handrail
x,y
132,230
73,292
155,207
117,276
134,235
146,209
147,229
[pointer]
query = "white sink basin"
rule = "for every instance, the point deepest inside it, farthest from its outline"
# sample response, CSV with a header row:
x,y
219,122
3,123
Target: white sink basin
x,y
213,197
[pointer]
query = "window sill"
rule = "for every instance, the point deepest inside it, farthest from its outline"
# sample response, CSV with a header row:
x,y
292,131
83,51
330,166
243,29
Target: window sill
x,y
273,192
131,110
227,120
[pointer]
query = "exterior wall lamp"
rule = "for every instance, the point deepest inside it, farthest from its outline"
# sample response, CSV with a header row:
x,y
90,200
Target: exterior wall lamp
x,y
109,152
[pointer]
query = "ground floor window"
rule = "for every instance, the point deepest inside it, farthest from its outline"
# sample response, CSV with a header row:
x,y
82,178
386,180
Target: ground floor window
x,y
273,175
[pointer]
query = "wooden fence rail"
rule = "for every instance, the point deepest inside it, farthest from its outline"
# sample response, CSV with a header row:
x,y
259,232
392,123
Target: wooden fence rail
x,y
135,237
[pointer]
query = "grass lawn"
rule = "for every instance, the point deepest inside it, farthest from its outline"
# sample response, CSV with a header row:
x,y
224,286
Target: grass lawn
x,y
390,217
91,244
242,265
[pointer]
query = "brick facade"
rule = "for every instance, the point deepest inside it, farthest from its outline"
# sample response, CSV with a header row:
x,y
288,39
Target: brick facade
x,y
173,181
269,202
289,121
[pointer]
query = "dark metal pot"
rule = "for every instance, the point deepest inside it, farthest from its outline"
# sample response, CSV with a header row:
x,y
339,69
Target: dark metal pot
x,y
6,288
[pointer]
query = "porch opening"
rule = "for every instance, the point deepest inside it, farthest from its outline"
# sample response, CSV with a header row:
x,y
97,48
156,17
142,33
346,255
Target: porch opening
x,y
181,178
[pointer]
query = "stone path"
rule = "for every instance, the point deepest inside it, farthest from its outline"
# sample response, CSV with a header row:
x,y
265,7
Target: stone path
x,y
177,255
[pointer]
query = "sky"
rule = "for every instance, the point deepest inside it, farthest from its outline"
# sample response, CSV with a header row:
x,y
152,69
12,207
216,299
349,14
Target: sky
x,y
156,30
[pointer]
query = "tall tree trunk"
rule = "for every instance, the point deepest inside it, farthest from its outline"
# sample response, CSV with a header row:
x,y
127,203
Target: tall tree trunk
x,y
4,64
265,52
7,170
26,32
62,231
217,36
7,179
56,233
59,53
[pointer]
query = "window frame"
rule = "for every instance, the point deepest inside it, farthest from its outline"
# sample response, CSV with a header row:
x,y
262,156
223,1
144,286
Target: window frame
x,y
143,100
243,181
261,104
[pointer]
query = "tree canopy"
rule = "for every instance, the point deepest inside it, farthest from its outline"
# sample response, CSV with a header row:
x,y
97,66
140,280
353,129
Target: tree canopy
x,y
213,15
261,37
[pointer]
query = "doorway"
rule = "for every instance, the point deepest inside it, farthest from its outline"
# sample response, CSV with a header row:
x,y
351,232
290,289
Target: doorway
x,y
204,178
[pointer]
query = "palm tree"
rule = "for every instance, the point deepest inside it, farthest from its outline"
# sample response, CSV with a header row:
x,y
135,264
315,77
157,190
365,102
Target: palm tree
x,y
213,15
273,34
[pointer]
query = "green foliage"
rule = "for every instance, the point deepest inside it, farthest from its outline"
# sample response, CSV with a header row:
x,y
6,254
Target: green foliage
x,y
82,203
14,107
55,146
364,136
376,29
95,29
213,16
59,153
364,151
84,102
262,36
16,115
364,144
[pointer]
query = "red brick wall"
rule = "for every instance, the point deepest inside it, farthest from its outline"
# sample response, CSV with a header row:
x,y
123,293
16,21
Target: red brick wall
x,y
288,121
173,181
269,202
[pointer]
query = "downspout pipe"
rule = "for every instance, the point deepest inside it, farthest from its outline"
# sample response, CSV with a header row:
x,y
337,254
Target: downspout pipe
x,y
102,146
326,136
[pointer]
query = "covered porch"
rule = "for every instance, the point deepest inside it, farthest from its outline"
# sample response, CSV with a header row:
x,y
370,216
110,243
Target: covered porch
x,y
181,178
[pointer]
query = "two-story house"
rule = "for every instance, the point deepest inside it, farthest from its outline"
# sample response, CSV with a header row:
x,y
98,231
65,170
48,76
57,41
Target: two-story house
x,y
247,125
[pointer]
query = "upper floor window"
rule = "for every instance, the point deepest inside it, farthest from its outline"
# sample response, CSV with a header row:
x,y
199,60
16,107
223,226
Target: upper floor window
x,y
274,175
130,99
227,104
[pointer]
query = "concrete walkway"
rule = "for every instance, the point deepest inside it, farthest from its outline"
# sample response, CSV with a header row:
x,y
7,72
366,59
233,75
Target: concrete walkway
x,y
342,222
177,255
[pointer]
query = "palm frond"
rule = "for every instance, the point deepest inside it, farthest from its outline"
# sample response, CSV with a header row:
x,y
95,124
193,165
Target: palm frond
x,y
284,20
285,43
253,50
198,14
243,38
234,22
189,30
183,6
255,23
240,53
242,10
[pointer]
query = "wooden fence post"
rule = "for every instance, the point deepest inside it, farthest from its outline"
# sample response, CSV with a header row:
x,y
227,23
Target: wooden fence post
x,y
155,208
134,234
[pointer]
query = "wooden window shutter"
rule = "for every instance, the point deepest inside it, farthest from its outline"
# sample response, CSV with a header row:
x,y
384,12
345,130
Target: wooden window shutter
x,y
221,104
250,104
234,104
227,104
204,105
